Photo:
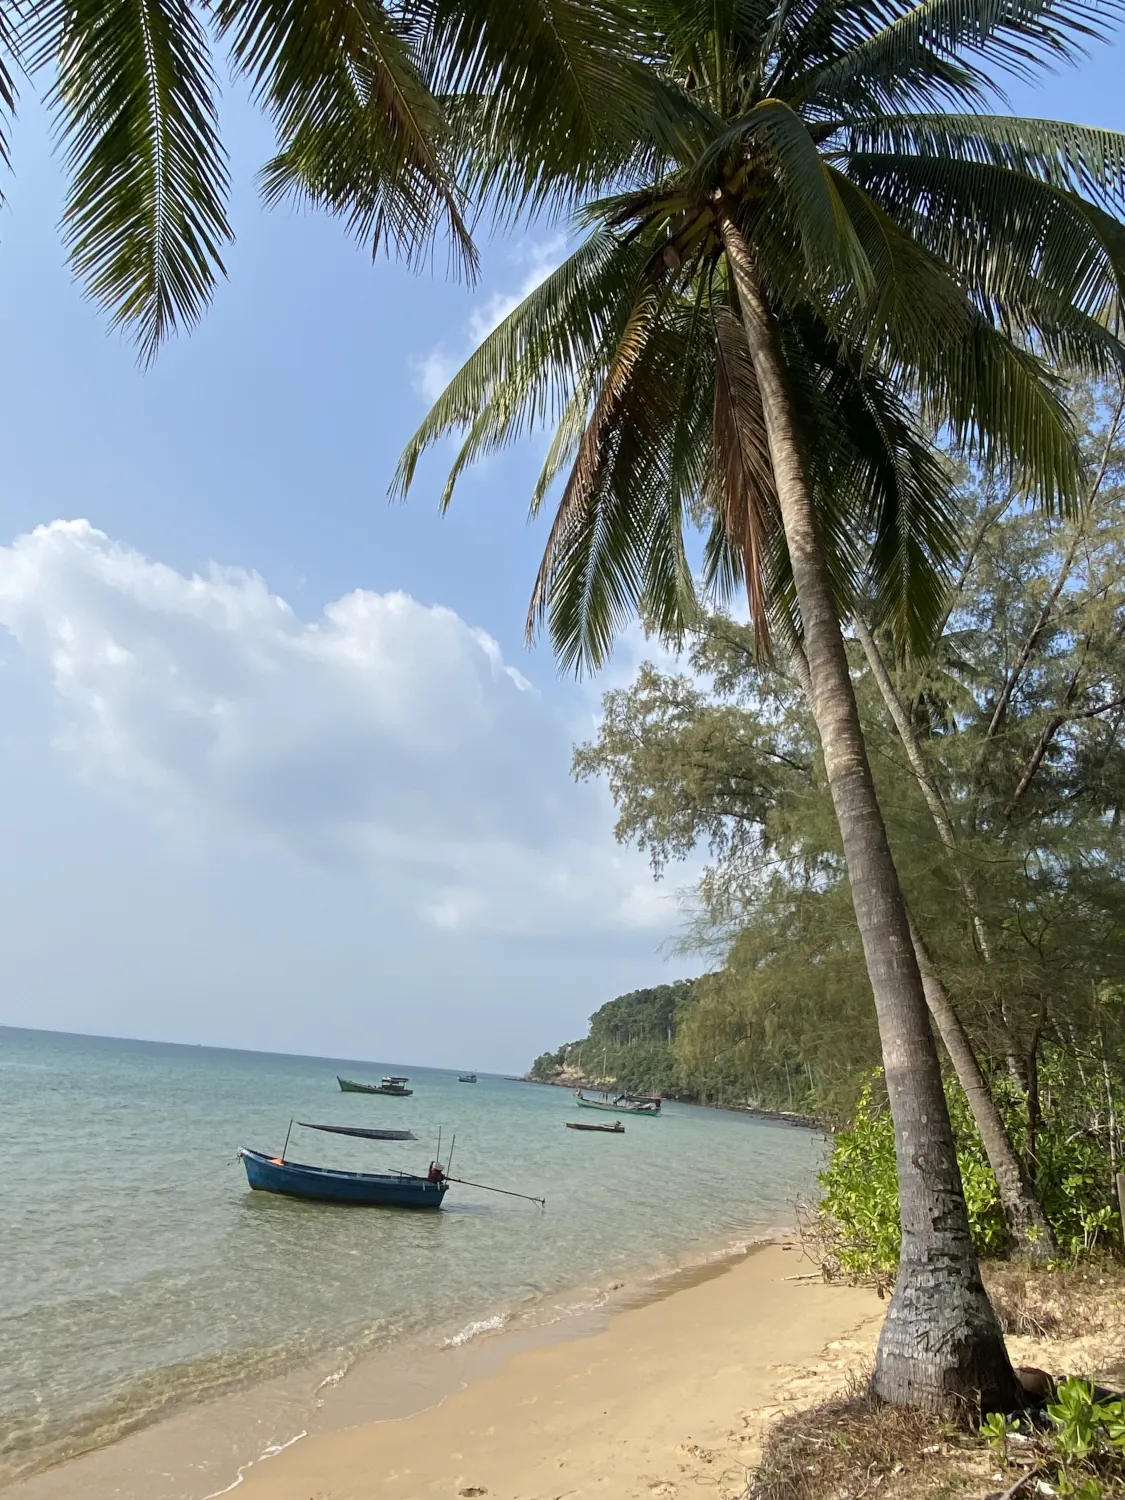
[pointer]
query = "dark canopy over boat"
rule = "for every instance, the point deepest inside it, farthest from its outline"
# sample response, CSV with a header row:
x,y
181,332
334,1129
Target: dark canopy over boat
x,y
362,1132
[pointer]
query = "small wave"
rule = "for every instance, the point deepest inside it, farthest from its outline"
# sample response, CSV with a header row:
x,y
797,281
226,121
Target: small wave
x,y
334,1378
271,1452
475,1330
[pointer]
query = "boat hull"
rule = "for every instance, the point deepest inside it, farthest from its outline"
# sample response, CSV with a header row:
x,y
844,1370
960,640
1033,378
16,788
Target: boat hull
x,y
347,1086
617,1109
268,1174
615,1129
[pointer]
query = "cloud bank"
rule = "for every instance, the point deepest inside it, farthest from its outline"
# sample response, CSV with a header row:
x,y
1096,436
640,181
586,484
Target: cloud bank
x,y
386,735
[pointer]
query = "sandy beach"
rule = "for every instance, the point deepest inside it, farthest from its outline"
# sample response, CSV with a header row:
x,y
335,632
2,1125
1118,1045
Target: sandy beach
x,y
662,1391
669,1399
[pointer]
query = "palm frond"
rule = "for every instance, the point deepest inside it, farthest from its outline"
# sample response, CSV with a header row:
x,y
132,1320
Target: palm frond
x,y
145,218
586,470
618,546
997,229
10,50
524,373
745,501
360,132
551,94
940,50
1081,159
807,190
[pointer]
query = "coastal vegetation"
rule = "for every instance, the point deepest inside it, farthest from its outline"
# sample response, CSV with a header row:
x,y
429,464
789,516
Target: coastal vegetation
x,y
1017,889
630,1044
813,260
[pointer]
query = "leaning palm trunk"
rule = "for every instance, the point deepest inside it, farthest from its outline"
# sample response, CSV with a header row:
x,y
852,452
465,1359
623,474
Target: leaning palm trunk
x,y
1027,1224
941,1342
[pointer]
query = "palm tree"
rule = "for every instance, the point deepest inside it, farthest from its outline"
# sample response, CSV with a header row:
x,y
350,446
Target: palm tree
x,y
373,102
822,239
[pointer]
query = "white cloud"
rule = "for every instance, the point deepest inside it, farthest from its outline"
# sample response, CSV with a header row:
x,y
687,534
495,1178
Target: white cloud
x,y
386,735
537,258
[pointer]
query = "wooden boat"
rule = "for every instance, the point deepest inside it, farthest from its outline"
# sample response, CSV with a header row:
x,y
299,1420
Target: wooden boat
x,y
622,1104
296,1179
292,1179
615,1129
390,1085
467,1078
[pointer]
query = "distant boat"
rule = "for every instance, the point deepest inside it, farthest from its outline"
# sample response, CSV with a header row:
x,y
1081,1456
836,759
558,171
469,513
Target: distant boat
x,y
392,1084
622,1104
272,1174
615,1129
467,1078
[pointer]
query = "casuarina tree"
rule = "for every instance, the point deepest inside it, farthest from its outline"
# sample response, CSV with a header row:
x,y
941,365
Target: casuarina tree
x,y
821,244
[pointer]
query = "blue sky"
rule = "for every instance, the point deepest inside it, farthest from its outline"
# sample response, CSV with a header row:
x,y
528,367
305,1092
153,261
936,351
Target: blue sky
x,y
228,819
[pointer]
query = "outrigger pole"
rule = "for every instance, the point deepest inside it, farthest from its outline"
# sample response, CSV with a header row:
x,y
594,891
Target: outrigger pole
x,y
464,1181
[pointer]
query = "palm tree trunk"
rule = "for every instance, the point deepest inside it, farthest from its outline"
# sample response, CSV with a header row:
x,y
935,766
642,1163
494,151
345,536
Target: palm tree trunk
x,y
1027,1224
941,1343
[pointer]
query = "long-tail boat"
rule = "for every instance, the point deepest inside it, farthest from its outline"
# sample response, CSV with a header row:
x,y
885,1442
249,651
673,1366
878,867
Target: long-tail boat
x,y
392,1084
295,1179
621,1104
615,1129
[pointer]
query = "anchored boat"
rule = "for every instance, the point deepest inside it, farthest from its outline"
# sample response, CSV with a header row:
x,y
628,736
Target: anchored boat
x,y
615,1129
621,1104
273,1174
394,1083
295,1179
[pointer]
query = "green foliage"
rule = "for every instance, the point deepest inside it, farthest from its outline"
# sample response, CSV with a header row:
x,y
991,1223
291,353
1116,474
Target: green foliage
x,y
630,1042
859,1203
911,262
1019,718
996,1429
1086,1442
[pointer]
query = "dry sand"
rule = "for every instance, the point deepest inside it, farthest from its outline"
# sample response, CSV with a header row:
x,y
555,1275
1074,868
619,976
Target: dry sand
x,y
668,1401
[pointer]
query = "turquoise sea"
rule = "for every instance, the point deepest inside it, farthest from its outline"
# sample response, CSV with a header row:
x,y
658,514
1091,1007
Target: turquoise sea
x,y
137,1272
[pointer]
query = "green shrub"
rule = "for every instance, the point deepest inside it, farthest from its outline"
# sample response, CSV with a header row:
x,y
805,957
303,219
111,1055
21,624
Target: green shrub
x,y
1086,1441
859,1202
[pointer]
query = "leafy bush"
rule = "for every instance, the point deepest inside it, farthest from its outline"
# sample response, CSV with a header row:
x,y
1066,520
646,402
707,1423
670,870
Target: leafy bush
x,y
1085,1445
859,1203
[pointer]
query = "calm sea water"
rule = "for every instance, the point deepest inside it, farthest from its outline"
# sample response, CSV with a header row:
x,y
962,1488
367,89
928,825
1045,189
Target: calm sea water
x,y
137,1270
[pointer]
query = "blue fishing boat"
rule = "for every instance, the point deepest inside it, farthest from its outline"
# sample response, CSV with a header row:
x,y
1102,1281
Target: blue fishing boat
x,y
273,1174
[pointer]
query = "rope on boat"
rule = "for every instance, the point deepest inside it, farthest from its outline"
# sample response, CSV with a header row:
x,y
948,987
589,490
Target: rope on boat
x,y
464,1181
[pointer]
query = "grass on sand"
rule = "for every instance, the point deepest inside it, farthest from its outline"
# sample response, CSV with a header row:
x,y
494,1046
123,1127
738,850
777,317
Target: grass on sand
x,y
1067,1322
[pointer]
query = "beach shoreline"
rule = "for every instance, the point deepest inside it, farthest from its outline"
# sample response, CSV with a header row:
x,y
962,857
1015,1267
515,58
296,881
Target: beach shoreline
x,y
671,1395
254,1437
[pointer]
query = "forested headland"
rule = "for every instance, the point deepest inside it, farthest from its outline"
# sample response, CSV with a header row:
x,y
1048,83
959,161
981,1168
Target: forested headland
x,y
650,1041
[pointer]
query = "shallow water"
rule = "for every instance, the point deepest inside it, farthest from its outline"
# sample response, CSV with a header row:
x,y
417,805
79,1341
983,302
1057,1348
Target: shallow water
x,y
137,1270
